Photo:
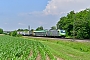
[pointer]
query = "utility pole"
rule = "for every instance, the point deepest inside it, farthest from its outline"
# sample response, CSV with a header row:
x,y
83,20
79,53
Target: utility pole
x,y
58,26
29,29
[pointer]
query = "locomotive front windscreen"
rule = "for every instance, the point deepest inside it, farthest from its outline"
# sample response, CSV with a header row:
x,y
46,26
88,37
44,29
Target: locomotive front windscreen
x,y
62,31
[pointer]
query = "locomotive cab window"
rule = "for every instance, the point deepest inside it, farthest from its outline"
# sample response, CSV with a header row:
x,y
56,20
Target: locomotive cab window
x,y
62,31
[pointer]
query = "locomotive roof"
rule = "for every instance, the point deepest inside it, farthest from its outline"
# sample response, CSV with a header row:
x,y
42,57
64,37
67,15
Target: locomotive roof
x,y
40,31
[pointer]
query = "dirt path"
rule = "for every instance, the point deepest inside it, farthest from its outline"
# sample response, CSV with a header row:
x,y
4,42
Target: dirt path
x,y
47,57
1,34
31,53
38,57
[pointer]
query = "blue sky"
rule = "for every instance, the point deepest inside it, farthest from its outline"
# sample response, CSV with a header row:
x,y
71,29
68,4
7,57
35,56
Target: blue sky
x,y
10,9
16,14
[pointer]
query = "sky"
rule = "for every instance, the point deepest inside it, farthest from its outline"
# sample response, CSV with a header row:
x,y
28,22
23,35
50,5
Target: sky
x,y
15,14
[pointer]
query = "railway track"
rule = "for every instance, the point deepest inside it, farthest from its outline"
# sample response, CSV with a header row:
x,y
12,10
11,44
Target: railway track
x,y
68,39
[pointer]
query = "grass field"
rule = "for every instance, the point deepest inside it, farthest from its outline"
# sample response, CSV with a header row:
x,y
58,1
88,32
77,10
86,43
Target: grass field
x,y
67,50
28,48
15,48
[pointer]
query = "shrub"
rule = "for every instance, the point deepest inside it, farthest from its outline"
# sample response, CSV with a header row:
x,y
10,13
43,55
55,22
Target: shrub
x,y
14,33
19,35
1,31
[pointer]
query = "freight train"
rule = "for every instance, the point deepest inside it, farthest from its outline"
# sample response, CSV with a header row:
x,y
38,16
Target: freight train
x,y
44,33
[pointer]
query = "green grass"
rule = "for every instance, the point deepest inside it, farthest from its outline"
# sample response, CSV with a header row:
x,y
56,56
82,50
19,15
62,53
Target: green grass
x,y
67,50
16,48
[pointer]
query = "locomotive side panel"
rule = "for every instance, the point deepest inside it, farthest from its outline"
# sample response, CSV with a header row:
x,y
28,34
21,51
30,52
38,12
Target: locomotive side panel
x,y
52,33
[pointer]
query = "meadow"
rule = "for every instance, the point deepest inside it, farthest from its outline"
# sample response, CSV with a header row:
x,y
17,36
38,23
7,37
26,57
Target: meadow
x,y
67,50
16,48
28,48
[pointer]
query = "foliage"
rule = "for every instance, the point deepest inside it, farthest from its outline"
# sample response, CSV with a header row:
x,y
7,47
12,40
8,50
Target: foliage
x,y
67,50
13,33
1,31
22,30
18,35
39,28
77,24
32,29
53,28
26,30
15,48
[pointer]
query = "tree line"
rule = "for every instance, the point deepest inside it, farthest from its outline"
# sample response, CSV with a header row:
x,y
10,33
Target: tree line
x,y
76,24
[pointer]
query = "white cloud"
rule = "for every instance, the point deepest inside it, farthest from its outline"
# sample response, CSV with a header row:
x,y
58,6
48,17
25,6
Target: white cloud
x,y
57,7
52,13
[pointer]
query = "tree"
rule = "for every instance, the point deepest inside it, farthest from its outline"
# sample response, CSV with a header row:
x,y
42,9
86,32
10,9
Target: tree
x,y
79,23
20,30
39,28
53,28
32,29
1,31
13,33
26,30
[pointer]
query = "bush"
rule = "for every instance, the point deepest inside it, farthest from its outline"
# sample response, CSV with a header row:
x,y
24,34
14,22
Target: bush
x,y
1,31
19,35
5,33
14,33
